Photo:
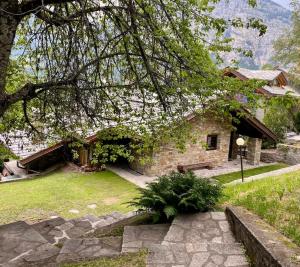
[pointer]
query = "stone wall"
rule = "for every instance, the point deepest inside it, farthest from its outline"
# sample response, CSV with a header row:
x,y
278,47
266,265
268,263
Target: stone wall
x,y
269,156
263,244
168,157
289,154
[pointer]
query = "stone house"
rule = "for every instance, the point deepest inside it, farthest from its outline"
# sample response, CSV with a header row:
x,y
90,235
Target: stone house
x,y
215,145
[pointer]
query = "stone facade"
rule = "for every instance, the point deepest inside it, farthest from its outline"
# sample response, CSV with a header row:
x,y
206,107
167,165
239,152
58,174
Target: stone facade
x,y
168,157
254,150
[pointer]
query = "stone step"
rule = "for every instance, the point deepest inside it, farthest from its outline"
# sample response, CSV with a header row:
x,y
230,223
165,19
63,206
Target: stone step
x,y
195,240
142,236
205,255
209,227
17,240
80,227
44,256
89,248
48,229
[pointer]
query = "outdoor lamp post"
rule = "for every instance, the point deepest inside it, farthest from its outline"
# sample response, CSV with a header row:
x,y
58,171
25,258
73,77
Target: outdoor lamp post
x,y
240,142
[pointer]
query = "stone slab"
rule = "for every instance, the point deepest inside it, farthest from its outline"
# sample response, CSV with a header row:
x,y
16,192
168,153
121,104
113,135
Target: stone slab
x,y
89,248
200,227
195,240
18,239
142,236
176,254
48,229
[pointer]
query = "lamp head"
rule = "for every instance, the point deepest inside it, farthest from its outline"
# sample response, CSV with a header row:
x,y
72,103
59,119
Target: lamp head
x,y
240,141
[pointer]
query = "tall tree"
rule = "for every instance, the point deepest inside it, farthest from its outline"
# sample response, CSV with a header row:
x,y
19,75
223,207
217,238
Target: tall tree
x,y
287,47
97,62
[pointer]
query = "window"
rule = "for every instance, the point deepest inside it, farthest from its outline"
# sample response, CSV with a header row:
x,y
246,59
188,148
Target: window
x,y
212,142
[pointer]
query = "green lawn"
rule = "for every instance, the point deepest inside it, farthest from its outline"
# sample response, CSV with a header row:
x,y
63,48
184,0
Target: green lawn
x,y
229,177
57,193
274,199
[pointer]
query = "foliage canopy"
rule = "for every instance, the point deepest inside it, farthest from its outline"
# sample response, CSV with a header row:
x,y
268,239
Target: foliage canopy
x,y
101,63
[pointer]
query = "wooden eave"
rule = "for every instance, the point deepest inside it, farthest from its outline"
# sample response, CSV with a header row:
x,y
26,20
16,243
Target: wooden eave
x,y
42,153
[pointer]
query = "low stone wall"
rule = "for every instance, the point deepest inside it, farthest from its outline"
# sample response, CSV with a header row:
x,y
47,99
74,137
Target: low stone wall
x,y
269,156
264,245
289,154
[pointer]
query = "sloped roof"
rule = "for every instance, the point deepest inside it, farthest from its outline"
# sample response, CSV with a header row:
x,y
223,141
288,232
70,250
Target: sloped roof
x,y
20,144
260,127
248,123
43,152
276,90
265,75
277,80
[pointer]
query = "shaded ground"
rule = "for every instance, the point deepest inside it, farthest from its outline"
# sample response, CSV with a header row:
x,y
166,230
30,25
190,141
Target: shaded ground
x,y
229,177
57,193
274,199
131,260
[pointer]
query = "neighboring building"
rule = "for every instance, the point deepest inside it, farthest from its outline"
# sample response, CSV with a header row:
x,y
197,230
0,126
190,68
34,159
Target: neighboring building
x,y
277,83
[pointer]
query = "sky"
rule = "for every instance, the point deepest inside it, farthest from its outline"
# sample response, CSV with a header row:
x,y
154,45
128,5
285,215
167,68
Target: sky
x,y
284,3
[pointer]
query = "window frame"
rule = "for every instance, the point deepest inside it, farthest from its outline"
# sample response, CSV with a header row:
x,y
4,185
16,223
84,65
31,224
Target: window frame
x,y
210,148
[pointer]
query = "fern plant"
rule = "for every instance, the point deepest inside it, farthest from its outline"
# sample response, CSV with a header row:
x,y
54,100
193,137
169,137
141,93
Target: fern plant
x,y
177,193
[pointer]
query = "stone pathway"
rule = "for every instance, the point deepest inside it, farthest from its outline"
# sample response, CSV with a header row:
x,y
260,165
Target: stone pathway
x,y
143,236
134,177
142,180
22,244
229,167
266,174
202,239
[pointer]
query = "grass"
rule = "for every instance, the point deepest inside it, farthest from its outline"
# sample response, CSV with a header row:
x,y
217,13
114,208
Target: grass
x,y
57,193
229,177
130,260
274,199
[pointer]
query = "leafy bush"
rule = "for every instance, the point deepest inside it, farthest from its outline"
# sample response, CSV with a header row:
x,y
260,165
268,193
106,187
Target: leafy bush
x,y
5,154
297,121
177,193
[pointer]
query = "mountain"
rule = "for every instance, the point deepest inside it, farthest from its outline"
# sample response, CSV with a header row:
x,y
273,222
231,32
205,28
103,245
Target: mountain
x,y
276,17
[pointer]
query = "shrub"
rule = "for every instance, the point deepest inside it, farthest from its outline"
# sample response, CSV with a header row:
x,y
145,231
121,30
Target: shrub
x,y
177,193
297,121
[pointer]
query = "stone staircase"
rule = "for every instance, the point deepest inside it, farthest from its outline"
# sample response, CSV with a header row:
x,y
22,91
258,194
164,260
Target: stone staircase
x,y
55,241
202,239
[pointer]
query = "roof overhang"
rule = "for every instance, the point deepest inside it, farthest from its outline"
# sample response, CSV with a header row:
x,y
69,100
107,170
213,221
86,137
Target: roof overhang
x,y
250,126
43,153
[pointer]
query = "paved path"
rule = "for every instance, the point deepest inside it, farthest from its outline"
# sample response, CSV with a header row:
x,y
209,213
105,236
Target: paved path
x,y
197,240
132,176
228,167
142,180
202,239
267,174
36,245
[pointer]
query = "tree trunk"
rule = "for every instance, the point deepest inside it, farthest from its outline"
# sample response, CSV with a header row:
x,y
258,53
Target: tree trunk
x,y
8,28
